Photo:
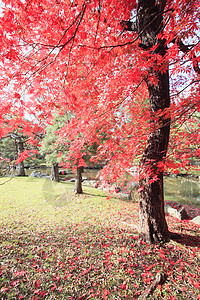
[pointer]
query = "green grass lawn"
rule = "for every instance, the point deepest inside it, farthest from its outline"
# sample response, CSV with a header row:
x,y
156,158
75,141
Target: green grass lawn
x,y
57,245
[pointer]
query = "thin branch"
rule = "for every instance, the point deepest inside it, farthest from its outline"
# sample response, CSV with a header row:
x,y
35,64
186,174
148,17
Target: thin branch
x,y
170,153
171,121
119,103
139,33
98,22
185,49
185,119
58,45
73,38
176,94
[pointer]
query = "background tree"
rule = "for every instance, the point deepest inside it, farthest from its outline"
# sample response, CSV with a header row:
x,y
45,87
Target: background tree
x,y
58,149
19,143
53,150
8,149
12,147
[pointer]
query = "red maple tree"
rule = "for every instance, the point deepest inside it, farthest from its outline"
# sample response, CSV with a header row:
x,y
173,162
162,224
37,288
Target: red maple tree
x,y
109,63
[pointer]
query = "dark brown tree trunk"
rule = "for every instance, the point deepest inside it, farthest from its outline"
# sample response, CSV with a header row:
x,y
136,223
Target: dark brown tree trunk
x,y
153,227
149,23
78,182
55,173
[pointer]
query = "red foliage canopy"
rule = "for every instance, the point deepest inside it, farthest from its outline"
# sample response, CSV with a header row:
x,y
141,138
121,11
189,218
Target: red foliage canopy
x,y
75,56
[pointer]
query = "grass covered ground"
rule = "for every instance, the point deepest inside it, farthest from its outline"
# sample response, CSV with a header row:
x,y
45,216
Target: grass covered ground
x,y
57,245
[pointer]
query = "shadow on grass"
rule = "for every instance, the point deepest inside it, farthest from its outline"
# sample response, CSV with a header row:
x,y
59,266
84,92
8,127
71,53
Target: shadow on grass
x,y
95,195
186,239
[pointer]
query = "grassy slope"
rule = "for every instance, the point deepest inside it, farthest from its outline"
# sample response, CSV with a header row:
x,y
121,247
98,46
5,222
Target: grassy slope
x,y
55,245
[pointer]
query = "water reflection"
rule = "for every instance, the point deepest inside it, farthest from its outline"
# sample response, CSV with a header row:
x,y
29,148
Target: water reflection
x,y
184,190
188,188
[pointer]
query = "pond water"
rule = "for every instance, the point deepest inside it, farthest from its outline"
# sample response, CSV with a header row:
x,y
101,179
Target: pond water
x,y
183,190
180,189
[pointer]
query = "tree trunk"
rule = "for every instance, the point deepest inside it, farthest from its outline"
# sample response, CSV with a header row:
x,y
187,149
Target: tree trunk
x,y
149,23
55,173
20,148
78,181
153,227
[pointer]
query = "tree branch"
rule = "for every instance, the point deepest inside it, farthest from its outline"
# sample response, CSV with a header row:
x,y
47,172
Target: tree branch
x,y
133,26
17,137
185,49
160,279
129,26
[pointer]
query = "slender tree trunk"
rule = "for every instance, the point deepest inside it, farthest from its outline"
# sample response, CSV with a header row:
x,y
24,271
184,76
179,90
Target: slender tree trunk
x,y
20,148
78,181
149,23
55,173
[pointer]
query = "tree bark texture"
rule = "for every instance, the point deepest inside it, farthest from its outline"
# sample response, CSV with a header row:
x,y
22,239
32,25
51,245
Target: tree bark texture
x,y
149,23
78,182
55,173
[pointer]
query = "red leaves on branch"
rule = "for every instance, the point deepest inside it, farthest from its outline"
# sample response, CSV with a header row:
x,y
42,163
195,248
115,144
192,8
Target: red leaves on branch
x,y
25,154
60,57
